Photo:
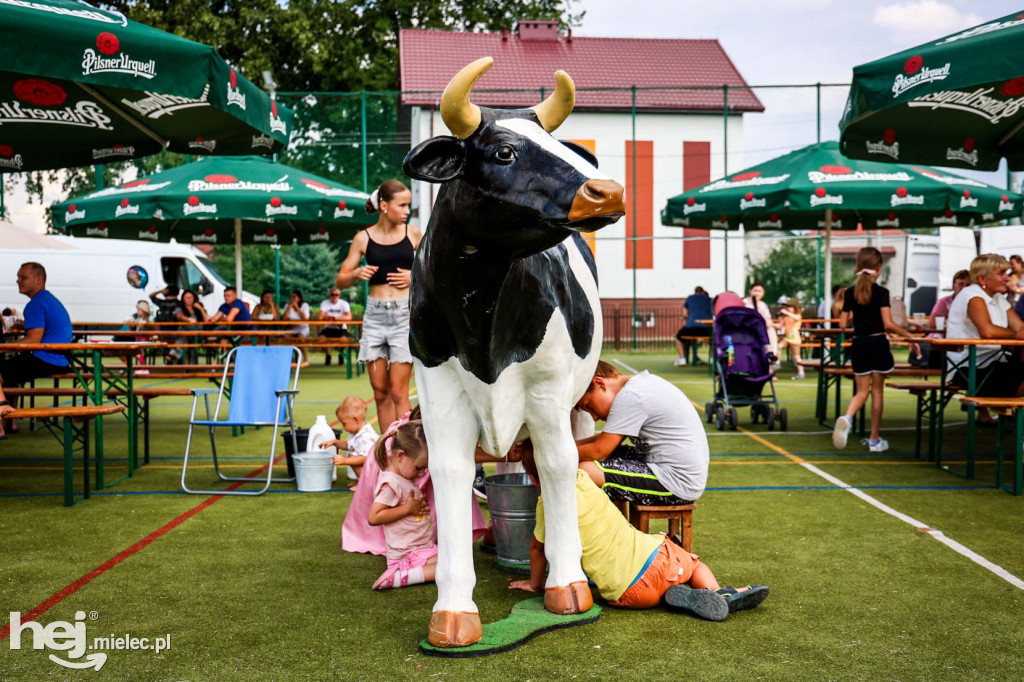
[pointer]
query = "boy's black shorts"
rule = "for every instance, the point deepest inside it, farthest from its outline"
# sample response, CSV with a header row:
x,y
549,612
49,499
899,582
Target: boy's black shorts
x,y
628,478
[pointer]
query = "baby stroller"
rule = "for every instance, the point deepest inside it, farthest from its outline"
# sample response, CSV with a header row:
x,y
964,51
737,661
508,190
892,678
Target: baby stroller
x,y
743,366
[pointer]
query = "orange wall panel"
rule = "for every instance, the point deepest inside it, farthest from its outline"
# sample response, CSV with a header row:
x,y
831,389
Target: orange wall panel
x,y
640,202
696,172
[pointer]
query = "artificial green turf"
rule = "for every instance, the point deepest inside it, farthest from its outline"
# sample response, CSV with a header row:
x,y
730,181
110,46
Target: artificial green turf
x,y
258,587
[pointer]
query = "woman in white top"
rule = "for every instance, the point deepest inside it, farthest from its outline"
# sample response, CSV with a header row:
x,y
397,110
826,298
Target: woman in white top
x,y
297,309
981,311
755,301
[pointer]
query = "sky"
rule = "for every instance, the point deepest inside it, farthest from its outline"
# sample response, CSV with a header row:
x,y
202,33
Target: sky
x,y
775,42
771,42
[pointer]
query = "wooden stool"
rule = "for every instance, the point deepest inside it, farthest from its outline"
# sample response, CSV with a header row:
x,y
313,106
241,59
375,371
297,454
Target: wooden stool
x,y
680,519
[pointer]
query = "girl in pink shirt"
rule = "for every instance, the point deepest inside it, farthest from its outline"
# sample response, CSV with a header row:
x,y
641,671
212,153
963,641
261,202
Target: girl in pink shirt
x,y
401,508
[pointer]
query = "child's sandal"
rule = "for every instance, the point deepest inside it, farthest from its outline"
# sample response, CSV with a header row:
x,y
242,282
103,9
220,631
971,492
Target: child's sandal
x,y
750,597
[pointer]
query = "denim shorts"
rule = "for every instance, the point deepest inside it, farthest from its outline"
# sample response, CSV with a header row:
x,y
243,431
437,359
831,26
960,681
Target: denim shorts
x,y
385,331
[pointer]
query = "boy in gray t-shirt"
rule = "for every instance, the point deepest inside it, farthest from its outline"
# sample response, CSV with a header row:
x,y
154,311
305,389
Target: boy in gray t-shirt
x,y
668,461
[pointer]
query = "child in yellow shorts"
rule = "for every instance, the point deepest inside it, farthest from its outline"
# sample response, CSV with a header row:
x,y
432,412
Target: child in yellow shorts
x,y
633,569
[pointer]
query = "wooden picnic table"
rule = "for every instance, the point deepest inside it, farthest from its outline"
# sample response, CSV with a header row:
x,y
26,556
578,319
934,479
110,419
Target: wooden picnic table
x,y
87,359
971,390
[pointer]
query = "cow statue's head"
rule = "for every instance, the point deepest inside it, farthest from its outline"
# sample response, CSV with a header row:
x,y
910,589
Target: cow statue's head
x,y
510,184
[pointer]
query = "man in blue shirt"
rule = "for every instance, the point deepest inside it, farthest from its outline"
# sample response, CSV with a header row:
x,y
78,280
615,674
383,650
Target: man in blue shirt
x,y
233,310
696,313
46,321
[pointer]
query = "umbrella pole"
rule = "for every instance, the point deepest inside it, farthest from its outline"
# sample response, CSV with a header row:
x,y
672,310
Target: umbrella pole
x,y
238,255
827,293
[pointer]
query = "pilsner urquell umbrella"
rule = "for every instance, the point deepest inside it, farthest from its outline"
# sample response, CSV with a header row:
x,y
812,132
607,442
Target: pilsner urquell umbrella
x,y
817,187
224,200
81,85
957,101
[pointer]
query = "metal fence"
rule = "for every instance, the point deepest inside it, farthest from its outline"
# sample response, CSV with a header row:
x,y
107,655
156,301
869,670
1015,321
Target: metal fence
x,y
655,327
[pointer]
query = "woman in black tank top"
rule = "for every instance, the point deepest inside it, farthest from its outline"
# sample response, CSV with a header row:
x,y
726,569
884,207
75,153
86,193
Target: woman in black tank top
x,y
389,247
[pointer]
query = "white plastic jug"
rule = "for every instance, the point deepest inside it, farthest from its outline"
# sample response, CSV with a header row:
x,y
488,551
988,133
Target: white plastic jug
x,y
319,433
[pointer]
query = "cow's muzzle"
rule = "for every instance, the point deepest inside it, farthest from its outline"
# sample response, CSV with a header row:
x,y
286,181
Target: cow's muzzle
x,y
598,199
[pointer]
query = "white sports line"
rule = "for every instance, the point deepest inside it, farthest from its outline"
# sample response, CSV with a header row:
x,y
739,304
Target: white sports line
x,y
935,533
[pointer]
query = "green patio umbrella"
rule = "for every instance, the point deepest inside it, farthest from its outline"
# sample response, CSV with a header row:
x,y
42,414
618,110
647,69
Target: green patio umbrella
x,y
817,187
957,101
222,200
81,85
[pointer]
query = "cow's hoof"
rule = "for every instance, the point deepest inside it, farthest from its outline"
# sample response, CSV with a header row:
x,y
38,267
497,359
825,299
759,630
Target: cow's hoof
x,y
575,598
452,628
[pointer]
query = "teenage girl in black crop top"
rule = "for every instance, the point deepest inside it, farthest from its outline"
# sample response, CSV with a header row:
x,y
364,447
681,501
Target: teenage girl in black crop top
x,y
389,248
866,305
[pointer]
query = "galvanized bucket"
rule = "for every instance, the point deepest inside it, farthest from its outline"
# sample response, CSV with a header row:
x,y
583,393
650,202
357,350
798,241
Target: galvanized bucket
x,y
512,499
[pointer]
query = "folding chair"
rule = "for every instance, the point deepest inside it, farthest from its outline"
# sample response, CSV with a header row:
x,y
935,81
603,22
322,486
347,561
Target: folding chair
x,y
262,393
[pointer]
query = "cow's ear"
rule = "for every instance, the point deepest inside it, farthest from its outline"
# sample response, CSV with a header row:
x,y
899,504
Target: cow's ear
x,y
439,159
582,151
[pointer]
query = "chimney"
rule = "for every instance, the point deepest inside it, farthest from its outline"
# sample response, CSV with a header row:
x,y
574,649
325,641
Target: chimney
x,y
504,33
538,30
568,35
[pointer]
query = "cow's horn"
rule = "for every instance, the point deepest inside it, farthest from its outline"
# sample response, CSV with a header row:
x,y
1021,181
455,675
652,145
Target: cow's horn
x,y
460,115
553,111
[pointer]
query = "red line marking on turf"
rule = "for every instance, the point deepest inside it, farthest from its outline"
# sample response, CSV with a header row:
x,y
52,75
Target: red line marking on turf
x,y
57,598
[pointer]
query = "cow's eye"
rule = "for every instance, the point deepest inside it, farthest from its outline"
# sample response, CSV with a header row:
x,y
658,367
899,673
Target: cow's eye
x,y
505,154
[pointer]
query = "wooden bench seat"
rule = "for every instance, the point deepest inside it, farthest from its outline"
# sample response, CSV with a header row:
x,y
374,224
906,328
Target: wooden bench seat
x,y
67,434
1007,407
897,372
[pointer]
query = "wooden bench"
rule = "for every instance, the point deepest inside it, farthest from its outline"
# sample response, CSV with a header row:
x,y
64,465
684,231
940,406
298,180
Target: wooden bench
x,y
680,519
931,400
61,423
1005,407
836,374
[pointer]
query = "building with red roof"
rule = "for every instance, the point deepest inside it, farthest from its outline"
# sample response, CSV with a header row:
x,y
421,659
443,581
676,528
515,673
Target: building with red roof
x,y
671,92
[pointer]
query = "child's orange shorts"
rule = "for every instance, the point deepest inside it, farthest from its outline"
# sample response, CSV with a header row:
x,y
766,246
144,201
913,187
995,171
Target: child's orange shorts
x,y
672,565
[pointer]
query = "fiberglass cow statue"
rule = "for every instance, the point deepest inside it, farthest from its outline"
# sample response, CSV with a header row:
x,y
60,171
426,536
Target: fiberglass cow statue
x,y
505,323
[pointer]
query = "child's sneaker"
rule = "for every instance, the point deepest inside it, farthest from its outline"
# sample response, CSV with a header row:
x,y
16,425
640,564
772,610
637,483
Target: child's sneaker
x,y
798,377
702,603
680,362
748,598
881,446
841,432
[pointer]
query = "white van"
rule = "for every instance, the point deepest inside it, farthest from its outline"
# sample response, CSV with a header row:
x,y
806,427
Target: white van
x,y
94,279
931,262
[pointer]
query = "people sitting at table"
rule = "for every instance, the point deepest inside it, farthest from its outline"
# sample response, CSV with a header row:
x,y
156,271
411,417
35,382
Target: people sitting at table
x,y
696,322
46,321
334,307
189,310
166,301
981,311
233,310
266,309
297,310
933,358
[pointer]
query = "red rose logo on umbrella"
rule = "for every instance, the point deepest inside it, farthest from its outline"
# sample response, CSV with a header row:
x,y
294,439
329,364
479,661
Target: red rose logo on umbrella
x,y
967,194
969,144
71,208
6,151
193,200
107,43
124,202
221,179
949,213
273,108
891,216
889,136
275,201
270,232
913,65
774,217
691,201
1004,198
39,92
208,232
233,77
341,205
749,175
748,196
820,191
322,229
135,183
1013,88
836,170
901,192
152,229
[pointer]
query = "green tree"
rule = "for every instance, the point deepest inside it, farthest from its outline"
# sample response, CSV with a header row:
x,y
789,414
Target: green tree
x,y
791,269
